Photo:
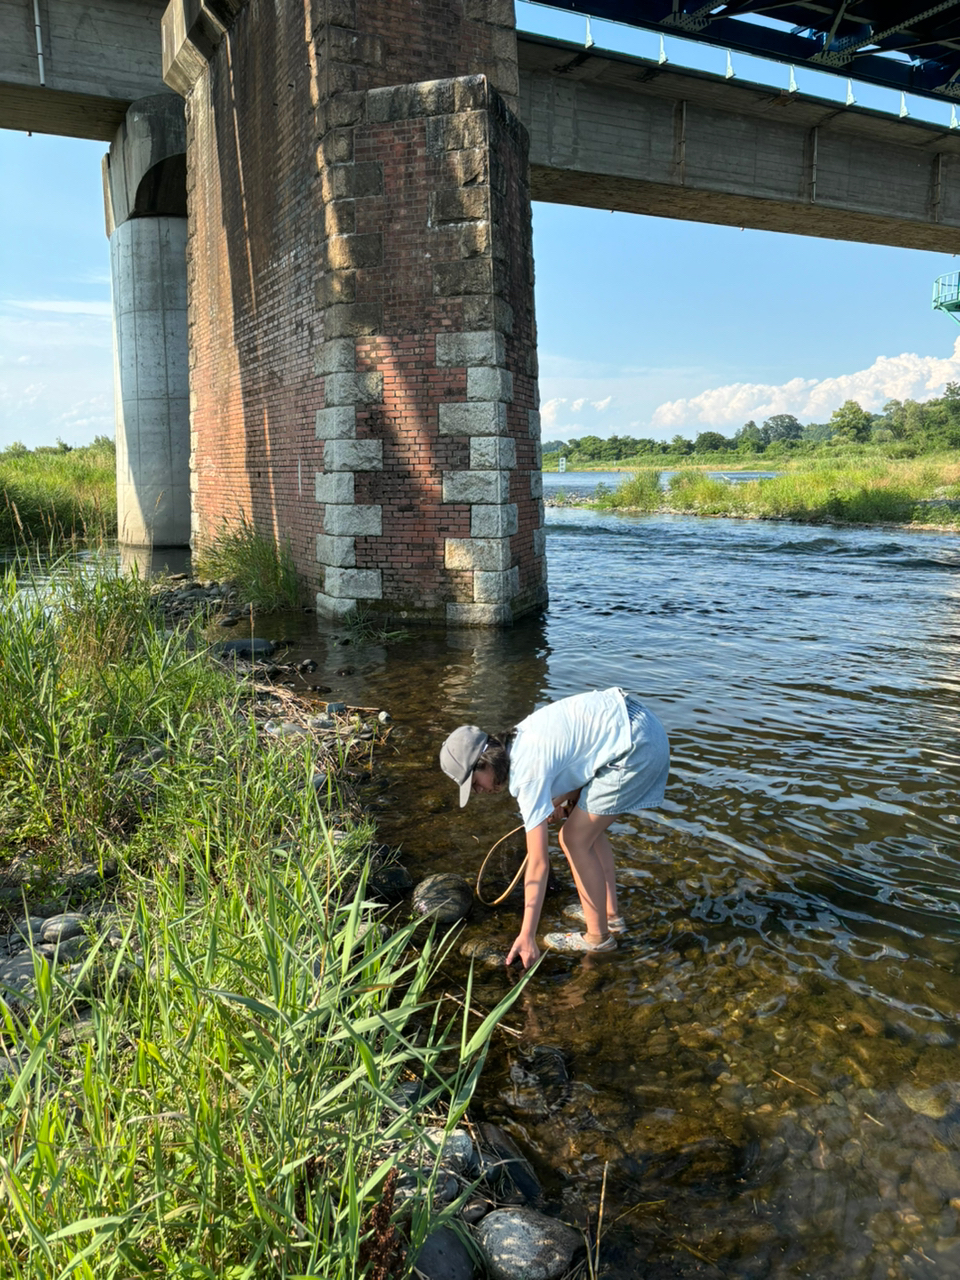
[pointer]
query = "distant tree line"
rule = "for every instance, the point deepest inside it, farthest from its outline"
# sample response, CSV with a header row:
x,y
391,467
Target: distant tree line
x,y
98,444
905,427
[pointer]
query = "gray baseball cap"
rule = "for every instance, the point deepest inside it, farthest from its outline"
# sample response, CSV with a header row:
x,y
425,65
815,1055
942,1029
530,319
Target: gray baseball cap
x,y
459,755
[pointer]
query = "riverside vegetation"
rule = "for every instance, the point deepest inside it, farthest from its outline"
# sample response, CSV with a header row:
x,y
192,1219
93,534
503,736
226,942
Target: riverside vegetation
x,y
871,491
57,494
901,466
215,1087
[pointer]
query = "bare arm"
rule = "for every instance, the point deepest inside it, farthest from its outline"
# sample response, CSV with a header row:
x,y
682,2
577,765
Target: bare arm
x,y
534,889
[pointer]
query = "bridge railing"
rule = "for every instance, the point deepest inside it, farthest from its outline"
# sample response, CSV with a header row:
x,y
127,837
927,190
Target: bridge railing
x,y
946,292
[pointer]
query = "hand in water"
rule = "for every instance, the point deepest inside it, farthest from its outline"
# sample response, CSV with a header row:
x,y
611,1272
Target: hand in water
x,y
524,949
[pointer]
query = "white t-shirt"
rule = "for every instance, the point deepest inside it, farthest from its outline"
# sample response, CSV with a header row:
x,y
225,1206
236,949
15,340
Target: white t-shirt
x,y
560,747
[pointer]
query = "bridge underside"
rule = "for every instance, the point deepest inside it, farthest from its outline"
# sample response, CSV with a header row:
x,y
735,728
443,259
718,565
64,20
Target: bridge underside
x,y
606,130
613,132
910,45
359,311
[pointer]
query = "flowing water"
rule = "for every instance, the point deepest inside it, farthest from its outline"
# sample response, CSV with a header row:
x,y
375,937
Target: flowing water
x,y
764,1079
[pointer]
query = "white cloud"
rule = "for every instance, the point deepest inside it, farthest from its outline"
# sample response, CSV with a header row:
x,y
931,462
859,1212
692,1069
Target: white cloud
x,y
577,392
550,408
903,377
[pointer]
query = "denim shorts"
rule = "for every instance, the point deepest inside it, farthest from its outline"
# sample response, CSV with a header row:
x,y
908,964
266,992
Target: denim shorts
x,y
637,779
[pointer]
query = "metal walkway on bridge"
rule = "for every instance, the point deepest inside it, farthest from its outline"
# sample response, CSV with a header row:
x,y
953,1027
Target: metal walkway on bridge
x,y
946,295
909,45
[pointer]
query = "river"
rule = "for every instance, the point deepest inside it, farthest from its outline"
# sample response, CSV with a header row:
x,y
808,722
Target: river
x,y
763,1080
767,1067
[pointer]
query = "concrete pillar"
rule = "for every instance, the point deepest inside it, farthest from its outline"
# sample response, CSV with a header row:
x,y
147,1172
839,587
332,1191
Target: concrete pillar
x,y
362,337
145,190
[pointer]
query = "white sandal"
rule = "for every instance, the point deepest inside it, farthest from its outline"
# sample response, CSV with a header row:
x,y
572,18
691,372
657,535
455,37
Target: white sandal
x,y
576,943
574,911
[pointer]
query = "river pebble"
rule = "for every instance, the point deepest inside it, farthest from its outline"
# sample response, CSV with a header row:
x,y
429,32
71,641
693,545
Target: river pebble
x,y
522,1244
323,724
27,930
491,954
286,729
59,928
455,1151
249,647
67,949
934,1102
17,976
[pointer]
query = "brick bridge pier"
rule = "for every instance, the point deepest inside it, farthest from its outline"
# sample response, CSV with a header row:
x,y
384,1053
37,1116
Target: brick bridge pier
x,y
363,377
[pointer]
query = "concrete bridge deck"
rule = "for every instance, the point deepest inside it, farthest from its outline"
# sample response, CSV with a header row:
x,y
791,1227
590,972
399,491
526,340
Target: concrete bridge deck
x,y
94,60
610,131
606,130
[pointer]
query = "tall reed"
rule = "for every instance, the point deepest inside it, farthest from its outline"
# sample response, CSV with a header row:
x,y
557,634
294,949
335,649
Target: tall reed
x,y
641,492
214,1089
260,566
53,496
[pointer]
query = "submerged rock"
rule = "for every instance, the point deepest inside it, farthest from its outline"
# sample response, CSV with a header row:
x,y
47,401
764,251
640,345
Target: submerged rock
x,y
933,1102
445,897
539,1082
250,647
483,951
390,883
507,1169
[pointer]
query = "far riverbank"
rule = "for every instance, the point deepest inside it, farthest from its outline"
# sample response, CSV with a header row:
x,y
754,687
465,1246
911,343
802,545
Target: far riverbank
x,y
922,493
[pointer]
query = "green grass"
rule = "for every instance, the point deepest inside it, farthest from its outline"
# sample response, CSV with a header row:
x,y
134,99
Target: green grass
x,y
209,1095
58,496
866,491
641,492
261,568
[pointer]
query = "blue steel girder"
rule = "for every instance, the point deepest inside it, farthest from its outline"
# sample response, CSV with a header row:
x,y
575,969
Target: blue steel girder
x,y
909,45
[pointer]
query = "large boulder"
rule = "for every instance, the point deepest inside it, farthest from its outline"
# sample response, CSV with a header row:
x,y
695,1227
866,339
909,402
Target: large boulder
x,y
445,898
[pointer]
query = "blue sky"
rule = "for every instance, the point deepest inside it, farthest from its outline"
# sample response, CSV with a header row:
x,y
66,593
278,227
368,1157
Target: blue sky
x,y
647,326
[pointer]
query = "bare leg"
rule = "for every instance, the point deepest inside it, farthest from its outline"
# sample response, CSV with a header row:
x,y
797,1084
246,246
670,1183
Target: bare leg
x,y
604,852
590,856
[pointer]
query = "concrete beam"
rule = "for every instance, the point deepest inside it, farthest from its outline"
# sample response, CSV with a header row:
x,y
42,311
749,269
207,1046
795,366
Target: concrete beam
x,y
615,132
97,58
606,130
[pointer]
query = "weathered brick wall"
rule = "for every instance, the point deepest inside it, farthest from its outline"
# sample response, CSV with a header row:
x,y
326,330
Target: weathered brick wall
x,y
367,44
363,375
251,257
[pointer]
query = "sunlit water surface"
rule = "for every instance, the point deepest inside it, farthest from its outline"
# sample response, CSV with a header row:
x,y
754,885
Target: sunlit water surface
x,y
767,1068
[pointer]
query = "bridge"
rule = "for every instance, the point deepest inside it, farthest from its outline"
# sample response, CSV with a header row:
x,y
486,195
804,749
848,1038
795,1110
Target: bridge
x,y
321,252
